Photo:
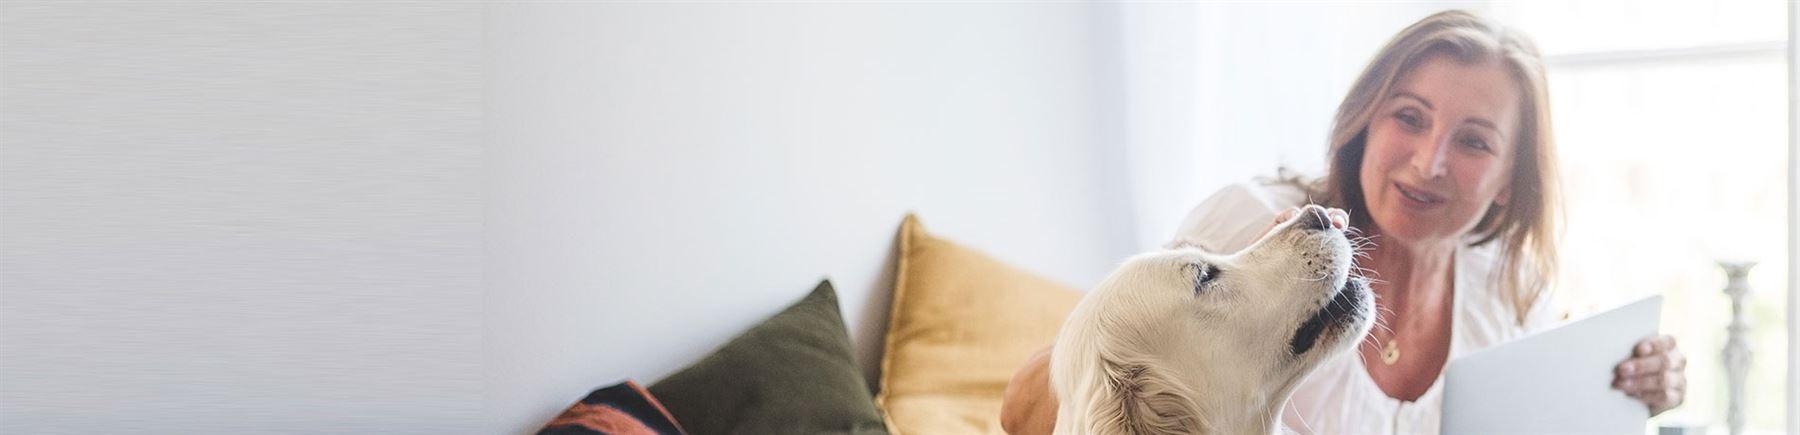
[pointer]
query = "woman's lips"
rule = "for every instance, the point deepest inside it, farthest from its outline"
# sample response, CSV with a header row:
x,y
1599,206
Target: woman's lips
x,y
1419,197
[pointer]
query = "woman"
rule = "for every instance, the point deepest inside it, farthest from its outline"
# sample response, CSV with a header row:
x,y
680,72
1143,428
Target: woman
x,y
1442,153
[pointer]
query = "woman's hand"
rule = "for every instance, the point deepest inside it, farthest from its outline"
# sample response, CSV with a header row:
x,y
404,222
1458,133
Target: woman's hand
x,y
1655,374
1339,217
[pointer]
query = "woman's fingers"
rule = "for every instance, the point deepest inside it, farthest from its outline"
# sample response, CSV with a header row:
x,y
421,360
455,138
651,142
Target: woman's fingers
x,y
1339,217
1651,364
1654,345
1279,218
1660,393
1285,215
1640,385
1660,400
1655,374
1651,356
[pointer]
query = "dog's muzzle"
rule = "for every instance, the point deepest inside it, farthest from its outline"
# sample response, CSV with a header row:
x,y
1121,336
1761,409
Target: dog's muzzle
x,y
1342,311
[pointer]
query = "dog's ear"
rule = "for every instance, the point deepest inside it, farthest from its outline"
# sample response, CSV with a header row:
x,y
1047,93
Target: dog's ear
x,y
1153,403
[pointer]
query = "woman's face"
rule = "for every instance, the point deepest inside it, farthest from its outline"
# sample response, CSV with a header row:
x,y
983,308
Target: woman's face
x,y
1440,150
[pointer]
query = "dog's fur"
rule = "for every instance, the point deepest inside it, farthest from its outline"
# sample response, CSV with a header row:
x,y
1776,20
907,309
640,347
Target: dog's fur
x,y
1185,341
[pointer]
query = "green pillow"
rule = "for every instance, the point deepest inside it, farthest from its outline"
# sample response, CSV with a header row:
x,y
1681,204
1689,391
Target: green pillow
x,y
792,374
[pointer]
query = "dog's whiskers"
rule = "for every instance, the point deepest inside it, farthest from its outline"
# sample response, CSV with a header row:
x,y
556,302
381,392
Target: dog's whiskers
x,y
1269,414
1382,326
1369,275
1303,422
1359,354
1381,322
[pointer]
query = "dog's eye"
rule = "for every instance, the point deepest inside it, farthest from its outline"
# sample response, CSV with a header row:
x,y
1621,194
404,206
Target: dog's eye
x,y
1204,274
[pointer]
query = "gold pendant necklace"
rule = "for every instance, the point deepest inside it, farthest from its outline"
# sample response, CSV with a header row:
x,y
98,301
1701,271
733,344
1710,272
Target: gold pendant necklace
x,y
1391,352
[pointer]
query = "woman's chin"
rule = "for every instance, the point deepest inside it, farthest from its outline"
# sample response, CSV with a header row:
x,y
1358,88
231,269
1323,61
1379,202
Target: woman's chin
x,y
1408,228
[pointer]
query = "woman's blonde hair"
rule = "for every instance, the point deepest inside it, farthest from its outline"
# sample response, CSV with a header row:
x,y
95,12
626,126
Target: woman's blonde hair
x,y
1527,226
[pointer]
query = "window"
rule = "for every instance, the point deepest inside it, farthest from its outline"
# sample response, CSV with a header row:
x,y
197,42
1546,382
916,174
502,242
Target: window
x,y
1672,123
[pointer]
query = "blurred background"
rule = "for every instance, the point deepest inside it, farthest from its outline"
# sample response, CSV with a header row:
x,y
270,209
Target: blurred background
x,y
457,217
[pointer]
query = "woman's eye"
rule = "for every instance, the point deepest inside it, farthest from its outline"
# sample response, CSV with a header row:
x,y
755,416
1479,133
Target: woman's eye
x,y
1412,121
1477,143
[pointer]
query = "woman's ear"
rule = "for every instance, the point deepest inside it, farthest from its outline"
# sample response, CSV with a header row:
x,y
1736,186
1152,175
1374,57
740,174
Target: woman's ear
x,y
1504,197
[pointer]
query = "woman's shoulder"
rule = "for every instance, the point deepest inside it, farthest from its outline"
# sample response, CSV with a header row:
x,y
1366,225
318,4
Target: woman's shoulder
x,y
1272,194
1234,215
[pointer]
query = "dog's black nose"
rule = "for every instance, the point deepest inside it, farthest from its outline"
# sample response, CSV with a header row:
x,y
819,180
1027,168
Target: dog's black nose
x,y
1313,217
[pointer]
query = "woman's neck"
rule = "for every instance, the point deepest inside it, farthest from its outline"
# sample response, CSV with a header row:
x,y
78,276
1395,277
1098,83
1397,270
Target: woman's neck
x,y
1412,278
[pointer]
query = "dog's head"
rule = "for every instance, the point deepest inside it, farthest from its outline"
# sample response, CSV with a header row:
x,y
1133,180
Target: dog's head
x,y
1187,341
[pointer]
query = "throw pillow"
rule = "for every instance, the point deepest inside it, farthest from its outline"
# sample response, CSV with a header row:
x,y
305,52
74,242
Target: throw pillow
x,y
962,323
794,373
621,409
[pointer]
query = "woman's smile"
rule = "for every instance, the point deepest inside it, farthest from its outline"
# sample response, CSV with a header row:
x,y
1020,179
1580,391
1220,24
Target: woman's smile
x,y
1418,198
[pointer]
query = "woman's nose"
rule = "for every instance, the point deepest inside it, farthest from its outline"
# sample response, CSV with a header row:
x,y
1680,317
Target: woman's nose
x,y
1429,156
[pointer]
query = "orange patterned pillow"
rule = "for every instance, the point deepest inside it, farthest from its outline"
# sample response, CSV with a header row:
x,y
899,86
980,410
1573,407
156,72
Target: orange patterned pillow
x,y
624,408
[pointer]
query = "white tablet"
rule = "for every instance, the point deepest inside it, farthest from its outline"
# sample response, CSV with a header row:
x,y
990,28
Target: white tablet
x,y
1557,381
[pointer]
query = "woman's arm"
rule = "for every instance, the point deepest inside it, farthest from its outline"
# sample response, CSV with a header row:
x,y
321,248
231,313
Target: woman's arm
x,y
1029,407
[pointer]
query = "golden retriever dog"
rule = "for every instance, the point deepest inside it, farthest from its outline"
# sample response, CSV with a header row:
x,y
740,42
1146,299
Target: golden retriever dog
x,y
1186,341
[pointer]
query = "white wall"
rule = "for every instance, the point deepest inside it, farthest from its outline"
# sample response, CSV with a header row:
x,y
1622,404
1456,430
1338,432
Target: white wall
x,y
375,217
665,175
240,218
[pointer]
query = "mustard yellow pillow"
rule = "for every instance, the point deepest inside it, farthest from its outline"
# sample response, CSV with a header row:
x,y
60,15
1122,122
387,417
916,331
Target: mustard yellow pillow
x,y
962,322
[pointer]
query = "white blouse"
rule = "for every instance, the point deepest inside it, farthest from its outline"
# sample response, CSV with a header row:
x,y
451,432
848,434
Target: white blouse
x,y
1340,397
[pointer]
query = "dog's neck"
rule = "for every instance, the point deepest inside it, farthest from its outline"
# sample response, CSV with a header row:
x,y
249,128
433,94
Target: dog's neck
x,y
1240,406
1262,407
